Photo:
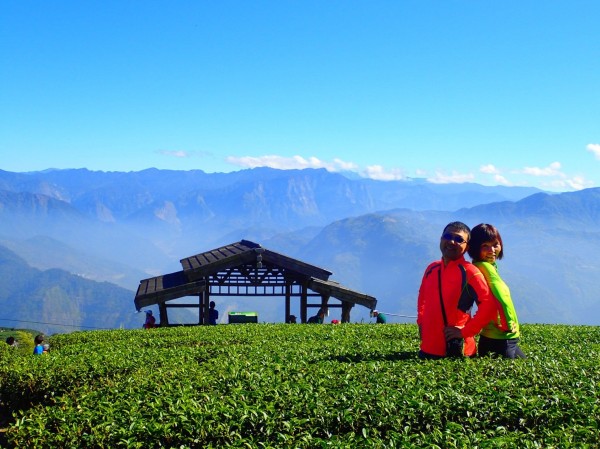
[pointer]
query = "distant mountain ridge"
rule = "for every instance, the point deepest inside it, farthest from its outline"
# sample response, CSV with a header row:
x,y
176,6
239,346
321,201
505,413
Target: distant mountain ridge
x,y
178,212
569,209
376,237
309,191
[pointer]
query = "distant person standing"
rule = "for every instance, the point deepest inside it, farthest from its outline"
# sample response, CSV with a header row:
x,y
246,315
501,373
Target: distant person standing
x,y
10,341
380,318
150,320
213,314
39,348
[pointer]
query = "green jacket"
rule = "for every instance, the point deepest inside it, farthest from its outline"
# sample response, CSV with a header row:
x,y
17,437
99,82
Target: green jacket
x,y
506,324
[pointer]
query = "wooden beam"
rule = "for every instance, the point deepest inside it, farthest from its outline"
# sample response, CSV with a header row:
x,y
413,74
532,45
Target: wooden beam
x,y
182,306
295,265
196,272
344,294
158,296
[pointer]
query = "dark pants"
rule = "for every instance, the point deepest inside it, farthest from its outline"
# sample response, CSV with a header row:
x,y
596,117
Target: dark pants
x,y
426,356
496,347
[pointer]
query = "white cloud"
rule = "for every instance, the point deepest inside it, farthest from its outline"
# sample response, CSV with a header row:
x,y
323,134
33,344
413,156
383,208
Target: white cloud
x,y
348,166
175,153
290,163
183,154
298,162
502,180
578,183
489,169
553,178
377,172
550,177
381,174
574,183
454,177
551,170
594,148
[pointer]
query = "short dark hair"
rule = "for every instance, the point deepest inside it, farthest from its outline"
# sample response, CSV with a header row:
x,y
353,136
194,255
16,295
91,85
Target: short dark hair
x,y
459,226
480,234
38,339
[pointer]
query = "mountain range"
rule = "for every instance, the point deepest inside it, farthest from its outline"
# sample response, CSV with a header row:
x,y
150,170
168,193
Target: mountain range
x,y
115,228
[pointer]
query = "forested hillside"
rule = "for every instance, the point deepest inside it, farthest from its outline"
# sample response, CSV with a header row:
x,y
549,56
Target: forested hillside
x,y
56,301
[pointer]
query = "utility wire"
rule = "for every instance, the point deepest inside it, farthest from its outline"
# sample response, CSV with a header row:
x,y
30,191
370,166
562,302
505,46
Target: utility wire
x,y
396,314
57,324
110,328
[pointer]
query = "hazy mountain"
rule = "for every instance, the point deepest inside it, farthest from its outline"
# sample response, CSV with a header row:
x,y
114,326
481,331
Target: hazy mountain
x,y
377,237
549,244
153,216
24,216
57,301
44,252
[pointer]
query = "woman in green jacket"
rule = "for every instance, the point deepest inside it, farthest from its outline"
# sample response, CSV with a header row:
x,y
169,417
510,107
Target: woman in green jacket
x,y
500,336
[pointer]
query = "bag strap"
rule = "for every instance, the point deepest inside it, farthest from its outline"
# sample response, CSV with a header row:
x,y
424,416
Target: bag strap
x,y
463,273
441,298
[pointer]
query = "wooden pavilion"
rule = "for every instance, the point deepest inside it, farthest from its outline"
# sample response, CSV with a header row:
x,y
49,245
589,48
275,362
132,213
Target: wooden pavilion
x,y
246,269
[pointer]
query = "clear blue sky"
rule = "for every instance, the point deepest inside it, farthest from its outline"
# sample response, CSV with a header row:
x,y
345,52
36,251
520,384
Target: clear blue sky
x,y
491,92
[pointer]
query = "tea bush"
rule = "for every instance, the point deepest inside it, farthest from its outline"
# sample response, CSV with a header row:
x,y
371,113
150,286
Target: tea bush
x,y
299,386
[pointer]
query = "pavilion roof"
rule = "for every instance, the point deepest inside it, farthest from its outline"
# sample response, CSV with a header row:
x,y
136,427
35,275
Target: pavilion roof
x,y
248,258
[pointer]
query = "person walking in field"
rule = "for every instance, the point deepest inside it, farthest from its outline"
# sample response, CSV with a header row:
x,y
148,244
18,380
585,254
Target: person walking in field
x,y
449,289
500,337
213,314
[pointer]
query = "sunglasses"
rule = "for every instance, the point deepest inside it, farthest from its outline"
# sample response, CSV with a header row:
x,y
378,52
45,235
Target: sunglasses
x,y
454,238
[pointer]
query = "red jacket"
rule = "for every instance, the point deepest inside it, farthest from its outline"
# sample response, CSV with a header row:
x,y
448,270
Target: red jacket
x,y
462,286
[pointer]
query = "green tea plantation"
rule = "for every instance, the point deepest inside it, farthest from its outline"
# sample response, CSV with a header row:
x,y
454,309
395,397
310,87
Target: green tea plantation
x,y
298,386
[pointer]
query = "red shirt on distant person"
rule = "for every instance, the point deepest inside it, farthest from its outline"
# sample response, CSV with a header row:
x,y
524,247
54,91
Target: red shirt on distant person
x,y
150,320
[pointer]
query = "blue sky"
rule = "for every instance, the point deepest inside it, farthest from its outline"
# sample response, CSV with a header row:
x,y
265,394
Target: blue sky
x,y
453,91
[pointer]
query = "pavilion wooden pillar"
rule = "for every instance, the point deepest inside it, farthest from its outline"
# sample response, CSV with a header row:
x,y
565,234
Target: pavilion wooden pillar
x,y
324,306
162,313
204,303
288,295
304,304
346,307
201,308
